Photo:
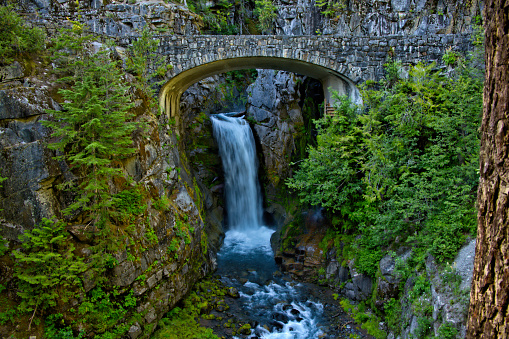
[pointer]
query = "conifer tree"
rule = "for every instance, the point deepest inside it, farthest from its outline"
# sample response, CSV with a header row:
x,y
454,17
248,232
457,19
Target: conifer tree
x,y
47,269
94,127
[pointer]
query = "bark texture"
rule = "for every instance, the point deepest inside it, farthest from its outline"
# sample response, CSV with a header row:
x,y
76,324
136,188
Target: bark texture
x,y
489,298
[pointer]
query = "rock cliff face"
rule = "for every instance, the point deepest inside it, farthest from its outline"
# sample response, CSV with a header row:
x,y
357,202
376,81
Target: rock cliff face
x,y
116,19
158,270
273,104
159,169
376,18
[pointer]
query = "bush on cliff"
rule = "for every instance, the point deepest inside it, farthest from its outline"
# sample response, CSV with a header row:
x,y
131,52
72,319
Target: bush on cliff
x,y
403,168
93,130
15,37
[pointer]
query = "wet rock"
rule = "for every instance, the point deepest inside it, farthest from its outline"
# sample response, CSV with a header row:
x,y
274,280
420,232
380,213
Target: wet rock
x,y
360,286
287,307
273,95
233,292
221,307
278,325
245,329
280,317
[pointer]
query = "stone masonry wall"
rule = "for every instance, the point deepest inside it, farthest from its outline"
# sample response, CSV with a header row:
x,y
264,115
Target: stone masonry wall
x,y
358,58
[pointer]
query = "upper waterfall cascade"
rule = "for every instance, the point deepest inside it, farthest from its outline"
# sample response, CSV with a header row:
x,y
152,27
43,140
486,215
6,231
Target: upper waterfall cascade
x,y
238,154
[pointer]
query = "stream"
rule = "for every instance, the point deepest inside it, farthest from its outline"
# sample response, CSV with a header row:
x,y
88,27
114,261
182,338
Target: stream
x,y
274,305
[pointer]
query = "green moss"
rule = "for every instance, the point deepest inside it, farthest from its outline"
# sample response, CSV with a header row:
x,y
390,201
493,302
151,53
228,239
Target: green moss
x,y
290,233
181,321
368,321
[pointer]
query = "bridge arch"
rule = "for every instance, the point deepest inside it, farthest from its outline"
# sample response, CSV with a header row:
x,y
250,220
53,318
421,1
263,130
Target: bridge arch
x,y
203,57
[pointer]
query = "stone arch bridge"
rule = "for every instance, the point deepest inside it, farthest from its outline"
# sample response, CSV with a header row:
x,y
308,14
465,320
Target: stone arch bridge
x,y
340,63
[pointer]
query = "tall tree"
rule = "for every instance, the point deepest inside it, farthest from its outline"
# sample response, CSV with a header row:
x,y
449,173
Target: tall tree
x,y
489,297
94,128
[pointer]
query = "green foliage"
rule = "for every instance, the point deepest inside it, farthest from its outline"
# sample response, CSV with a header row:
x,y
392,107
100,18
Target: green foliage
x,y
182,229
393,313
403,167
233,90
219,19
367,261
129,205
329,176
180,324
451,278
423,327
55,328
174,246
8,315
15,37
145,64
47,269
151,235
266,12
450,58
204,242
3,246
421,286
331,8
368,321
103,310
93,130
162,204
447,331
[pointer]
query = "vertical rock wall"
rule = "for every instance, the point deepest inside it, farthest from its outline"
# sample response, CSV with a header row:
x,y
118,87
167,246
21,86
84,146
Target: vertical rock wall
x,y
159,271
377,18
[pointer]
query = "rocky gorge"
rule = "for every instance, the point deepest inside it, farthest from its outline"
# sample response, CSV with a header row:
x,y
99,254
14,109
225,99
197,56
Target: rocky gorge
x,y
177,170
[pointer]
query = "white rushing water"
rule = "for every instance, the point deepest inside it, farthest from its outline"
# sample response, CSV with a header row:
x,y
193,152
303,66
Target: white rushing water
x,y
238,154
276,306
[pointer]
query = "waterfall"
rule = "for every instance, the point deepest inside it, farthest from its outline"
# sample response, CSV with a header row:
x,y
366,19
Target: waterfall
x,y
246,260
238,154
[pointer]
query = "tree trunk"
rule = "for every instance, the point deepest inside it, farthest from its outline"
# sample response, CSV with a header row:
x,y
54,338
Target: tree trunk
x,y
489,297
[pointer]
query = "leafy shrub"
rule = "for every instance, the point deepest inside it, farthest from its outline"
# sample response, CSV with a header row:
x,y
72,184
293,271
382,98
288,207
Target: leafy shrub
x,y
423,327
266,12
161,204
369,321
450,58
179,323
402,168
331,8
129,204
15,37
55,328
367,261
102,310
3,246
447,331
421,286
393,312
